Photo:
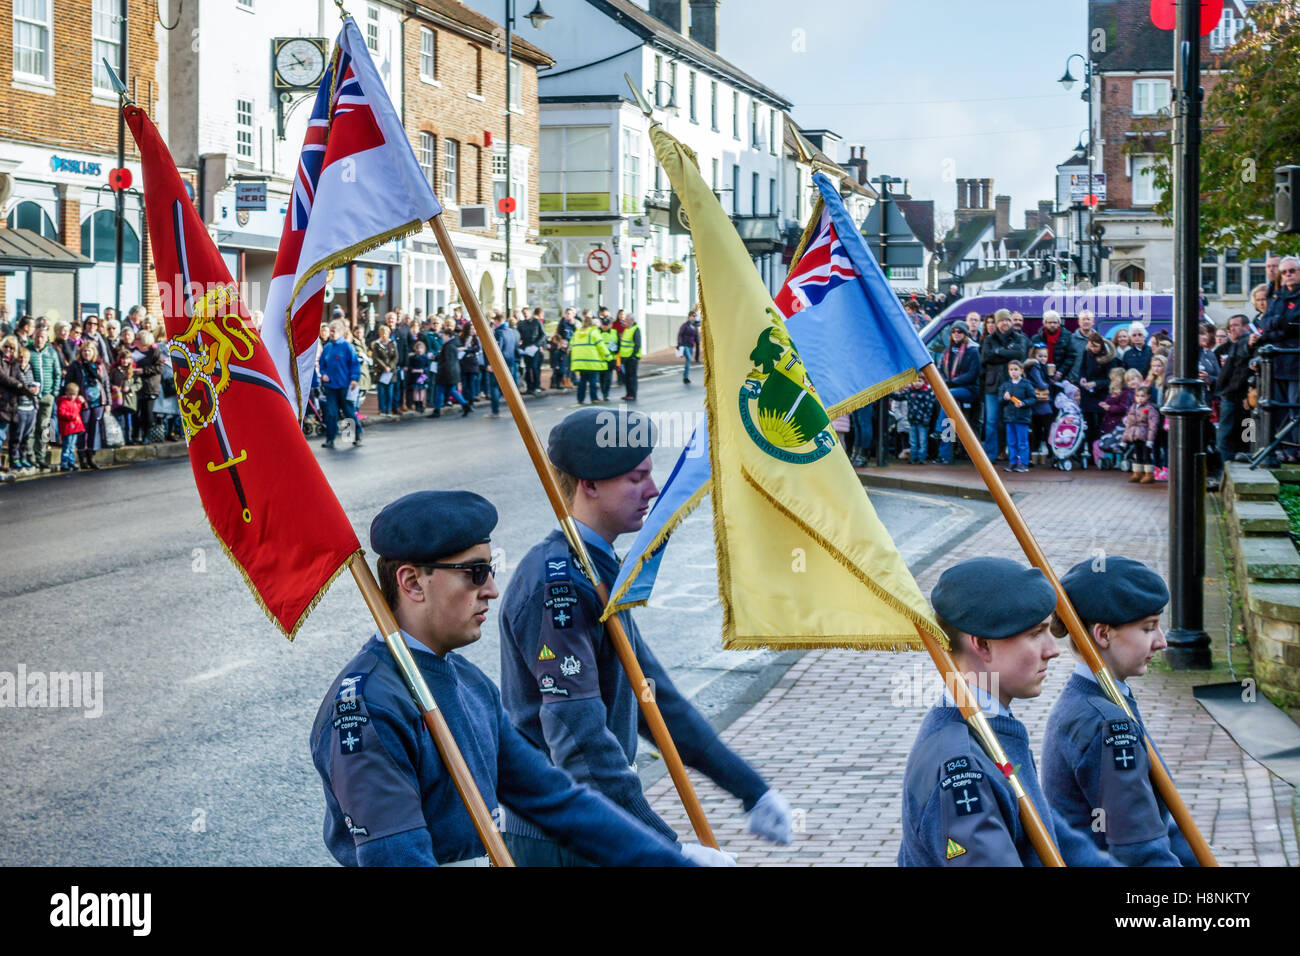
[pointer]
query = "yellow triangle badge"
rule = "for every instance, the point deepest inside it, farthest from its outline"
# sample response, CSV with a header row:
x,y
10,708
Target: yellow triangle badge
x,y
955,849
546,655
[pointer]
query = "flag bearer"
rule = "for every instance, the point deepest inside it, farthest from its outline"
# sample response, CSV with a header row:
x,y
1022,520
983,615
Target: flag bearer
x,y
1096,771
388,799
561,679
957,808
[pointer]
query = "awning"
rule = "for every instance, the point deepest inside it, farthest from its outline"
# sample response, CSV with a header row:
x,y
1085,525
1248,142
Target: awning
x,y
24,249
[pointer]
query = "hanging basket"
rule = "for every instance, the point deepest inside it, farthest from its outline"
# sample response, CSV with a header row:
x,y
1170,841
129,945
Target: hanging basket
x,y
676,268
659,265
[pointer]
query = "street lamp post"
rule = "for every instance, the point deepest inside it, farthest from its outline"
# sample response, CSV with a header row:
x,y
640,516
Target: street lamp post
x,y
882,406
1067,81
1189,644
537,18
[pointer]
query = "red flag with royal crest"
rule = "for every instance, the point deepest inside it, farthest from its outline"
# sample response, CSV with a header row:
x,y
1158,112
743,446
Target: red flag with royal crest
x,y
265,496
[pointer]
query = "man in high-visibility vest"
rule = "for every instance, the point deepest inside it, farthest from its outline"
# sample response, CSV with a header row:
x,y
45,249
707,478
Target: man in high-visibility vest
x,y
609,336
629,353
588,357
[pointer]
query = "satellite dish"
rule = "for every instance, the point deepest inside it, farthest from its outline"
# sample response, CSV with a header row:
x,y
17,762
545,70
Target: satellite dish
x,y
6,189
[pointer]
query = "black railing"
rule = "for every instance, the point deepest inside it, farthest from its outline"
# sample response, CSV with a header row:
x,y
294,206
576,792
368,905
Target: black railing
x,y
1270,409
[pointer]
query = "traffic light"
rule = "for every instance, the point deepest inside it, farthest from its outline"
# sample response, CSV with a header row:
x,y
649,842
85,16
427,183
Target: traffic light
x,y
1286,198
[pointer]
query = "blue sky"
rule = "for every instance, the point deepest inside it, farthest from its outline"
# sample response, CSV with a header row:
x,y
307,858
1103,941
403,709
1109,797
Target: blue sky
x,y
935,89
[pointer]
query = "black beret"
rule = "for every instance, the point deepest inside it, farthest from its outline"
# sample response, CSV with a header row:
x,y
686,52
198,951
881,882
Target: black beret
x,y
993,598
427,526
1113,590
599,443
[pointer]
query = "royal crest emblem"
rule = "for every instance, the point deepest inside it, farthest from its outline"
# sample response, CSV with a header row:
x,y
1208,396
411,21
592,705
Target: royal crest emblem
x,y
215,334
778,403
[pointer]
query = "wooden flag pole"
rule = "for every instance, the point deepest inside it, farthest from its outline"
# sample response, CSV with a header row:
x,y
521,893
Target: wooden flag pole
x,y
613,626
433,719
1044,844
1082,639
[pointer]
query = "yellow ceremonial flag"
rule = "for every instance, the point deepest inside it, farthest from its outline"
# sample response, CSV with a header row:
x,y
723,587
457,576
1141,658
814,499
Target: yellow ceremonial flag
x,y
803,560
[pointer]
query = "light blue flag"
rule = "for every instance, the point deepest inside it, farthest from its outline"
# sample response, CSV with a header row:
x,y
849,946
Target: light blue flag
x,y
854,338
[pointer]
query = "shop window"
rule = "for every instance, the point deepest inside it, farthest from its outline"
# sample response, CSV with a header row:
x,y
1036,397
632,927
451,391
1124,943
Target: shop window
x,y
29,215
98,239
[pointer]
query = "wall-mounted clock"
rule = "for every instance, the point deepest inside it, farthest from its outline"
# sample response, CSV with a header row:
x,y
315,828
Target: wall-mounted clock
x,y
298,62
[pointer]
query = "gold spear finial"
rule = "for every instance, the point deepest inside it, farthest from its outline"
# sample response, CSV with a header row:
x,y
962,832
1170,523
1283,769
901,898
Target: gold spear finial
x,y
118,85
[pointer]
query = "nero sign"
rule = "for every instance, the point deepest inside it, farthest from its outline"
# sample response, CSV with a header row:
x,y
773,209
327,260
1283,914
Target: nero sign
x,y
102,909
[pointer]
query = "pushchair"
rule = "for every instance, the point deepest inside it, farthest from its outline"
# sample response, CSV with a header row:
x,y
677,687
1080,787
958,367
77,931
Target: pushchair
x,y
1109,450
313,421
1065,437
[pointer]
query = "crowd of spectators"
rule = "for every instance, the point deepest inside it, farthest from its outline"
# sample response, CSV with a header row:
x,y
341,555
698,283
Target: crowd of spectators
x,y
81,385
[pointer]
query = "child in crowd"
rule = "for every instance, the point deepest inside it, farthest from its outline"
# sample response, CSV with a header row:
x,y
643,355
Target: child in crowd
x,y
1117,402
125,389
1017,413
419,372
921,404
1140,425
1037,374
70,425
1094,755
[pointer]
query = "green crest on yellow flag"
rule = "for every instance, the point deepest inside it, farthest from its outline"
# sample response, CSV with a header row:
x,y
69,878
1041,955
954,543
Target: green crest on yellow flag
x,y
803,560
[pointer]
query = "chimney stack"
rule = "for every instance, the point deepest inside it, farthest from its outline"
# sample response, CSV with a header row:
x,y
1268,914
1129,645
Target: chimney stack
x,y
1031,219
1001,217
1045,207
986,193
671,13
858,163
704,23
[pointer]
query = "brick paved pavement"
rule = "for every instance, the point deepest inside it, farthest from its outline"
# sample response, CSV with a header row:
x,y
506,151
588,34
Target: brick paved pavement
x,y
834,733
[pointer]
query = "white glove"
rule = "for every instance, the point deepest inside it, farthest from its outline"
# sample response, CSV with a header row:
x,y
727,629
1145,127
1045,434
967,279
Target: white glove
x,y
706,855
771,818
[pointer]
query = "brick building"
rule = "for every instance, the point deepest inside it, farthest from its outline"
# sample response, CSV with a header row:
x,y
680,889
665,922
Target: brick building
x,y
455,78
1133,70
58,142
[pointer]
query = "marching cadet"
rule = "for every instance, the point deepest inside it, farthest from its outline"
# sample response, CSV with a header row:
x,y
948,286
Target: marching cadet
x,y
388,800
957,808
1096,770
561,679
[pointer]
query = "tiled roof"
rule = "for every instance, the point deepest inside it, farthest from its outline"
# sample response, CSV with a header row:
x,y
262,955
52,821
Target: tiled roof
x,y
640,21
959,241
459,14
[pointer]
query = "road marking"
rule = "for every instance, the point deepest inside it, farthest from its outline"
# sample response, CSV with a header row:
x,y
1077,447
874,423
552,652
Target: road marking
x,y
219,672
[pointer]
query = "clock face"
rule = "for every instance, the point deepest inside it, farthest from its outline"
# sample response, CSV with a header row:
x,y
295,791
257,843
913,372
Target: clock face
x,y
300,62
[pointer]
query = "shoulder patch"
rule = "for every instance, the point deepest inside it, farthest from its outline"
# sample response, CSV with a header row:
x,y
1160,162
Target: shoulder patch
x,y
1122,739
546,655
955,849
349,698
547,686
557,569
960,781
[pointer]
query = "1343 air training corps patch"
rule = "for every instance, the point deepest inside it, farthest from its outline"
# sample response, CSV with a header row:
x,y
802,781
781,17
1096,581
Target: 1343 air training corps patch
x,y
962,784
1123,742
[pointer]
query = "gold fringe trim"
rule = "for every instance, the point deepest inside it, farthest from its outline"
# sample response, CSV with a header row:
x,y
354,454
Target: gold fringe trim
x,y
270,616
853,569
683,512
867,396
808,231
329,262
835,642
